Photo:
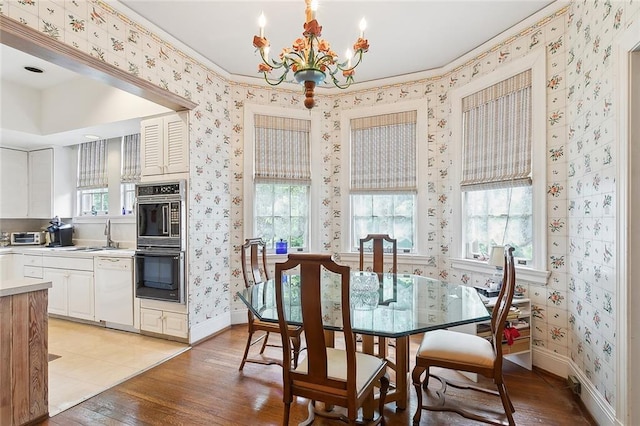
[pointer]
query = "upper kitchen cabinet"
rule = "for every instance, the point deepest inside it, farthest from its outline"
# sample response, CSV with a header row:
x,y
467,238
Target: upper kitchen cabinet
x,y
165,144
51,185
14,202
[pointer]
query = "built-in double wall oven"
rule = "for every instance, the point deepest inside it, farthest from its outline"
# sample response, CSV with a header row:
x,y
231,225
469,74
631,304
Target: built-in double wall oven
x,y
160,241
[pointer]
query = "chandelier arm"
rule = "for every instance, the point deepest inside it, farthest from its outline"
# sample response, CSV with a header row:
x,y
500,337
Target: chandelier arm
x,y
275,82
336,82
359,54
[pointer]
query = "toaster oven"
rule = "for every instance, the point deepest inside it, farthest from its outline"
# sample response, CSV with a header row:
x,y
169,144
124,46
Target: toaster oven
x,y
27,238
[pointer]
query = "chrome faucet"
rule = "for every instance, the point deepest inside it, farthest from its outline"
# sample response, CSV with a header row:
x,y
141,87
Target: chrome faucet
x,y
107,232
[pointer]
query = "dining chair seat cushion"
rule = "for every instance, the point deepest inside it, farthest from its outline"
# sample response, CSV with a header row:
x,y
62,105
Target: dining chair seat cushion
x,y
272,325
367,366
459,347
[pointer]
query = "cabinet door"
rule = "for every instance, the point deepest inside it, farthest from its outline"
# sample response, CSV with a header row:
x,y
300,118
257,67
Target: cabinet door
x,y
176,143
151,320
152,146
175,324
58,291
6,266
80,295
40,183
13,183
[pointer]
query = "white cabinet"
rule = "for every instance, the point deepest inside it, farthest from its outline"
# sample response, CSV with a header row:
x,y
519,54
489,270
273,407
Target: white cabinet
x,y
165,144
6,266
114,290
72,291
164,322
31,265
51,186
13,183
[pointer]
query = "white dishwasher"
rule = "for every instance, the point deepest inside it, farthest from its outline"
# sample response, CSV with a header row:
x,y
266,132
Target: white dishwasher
x,y
114,291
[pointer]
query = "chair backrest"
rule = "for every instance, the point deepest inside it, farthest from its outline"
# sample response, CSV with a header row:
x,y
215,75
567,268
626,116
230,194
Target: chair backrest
x,y
311,269
503,304
378,241
257,264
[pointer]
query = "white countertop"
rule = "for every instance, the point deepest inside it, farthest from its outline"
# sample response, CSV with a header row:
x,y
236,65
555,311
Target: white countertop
x,y
22,285
70,251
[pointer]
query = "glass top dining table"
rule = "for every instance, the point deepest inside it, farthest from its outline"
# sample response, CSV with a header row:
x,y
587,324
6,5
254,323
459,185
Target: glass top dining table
x,y
384,305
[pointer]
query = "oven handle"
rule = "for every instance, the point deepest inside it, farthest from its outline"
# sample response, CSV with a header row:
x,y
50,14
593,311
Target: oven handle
x,y
158,253
165,219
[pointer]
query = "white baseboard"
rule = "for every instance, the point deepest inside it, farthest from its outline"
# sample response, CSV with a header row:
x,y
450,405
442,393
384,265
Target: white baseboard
x,y
208,328
598,407
562,366
239,316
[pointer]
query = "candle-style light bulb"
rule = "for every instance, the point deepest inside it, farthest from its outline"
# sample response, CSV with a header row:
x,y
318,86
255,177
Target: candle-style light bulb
x,y
363,26
314,8
262,21
349,55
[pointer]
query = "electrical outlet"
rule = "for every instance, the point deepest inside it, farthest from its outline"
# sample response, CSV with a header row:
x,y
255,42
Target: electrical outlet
x,y
574,384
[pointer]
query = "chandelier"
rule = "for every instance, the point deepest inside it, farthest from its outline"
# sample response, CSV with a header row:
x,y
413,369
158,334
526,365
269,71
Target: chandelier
x,y
310,57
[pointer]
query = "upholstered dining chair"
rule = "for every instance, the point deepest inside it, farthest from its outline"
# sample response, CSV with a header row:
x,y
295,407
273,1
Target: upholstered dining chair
x,y
470,353
341,377
254,270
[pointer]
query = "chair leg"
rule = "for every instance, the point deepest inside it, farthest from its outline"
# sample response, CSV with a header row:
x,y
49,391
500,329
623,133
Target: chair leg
x,y
285,418
264,344
506,403
384,388
417,383
425,384
295,341
246,351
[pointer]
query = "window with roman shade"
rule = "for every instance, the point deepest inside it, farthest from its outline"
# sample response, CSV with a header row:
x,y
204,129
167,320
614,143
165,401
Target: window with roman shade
x,y
383,153
497,135
281,150
130,159
92,165
282,180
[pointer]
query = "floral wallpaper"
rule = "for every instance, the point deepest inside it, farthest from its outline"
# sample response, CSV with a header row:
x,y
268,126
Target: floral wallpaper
x,y
574,315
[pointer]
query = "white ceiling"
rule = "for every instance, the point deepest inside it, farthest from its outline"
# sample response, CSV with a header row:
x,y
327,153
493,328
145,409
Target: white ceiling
x,y
404,36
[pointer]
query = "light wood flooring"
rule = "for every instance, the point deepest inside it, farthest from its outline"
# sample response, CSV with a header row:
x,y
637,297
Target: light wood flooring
x,y
204,387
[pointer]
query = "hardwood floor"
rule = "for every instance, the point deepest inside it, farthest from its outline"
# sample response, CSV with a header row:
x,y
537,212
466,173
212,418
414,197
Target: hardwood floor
x,y
204,387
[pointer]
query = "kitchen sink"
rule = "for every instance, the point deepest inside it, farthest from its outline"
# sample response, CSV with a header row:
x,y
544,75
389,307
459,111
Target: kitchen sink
x,y
95,248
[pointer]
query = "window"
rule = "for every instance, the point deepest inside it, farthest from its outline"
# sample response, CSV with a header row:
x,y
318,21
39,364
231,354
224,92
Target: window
x,y
93,198
282,178
499,121
130,171
496,167
383,177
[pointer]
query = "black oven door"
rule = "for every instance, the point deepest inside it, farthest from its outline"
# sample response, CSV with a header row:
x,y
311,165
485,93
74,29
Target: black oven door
x,y
160,275
159,224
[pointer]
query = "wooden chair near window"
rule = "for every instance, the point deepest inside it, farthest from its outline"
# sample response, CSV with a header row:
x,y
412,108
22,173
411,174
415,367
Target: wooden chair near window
x,y
341,377
381,244
254,270
470,353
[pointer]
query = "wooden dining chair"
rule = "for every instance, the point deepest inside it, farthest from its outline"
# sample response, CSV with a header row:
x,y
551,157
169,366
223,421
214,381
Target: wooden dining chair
x,y
378,250
470,353
378,244
254,270
341,377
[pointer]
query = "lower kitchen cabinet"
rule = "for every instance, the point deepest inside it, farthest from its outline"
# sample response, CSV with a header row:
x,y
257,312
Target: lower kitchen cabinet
x,y
164,322
72,291
71,294
114,290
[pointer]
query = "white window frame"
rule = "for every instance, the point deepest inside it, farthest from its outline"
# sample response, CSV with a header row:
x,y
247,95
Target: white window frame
x,y
114,168
420,106
536,271
250,110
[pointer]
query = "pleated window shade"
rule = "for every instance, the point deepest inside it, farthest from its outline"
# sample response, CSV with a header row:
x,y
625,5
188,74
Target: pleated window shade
x,y
497,135
130,172
383,153
92,165
282,150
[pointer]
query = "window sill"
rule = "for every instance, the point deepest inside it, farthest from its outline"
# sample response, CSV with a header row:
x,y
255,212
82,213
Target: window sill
x,y
534,276
102,218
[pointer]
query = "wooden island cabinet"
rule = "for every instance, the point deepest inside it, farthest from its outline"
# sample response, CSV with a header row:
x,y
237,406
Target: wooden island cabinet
x,y
23,351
